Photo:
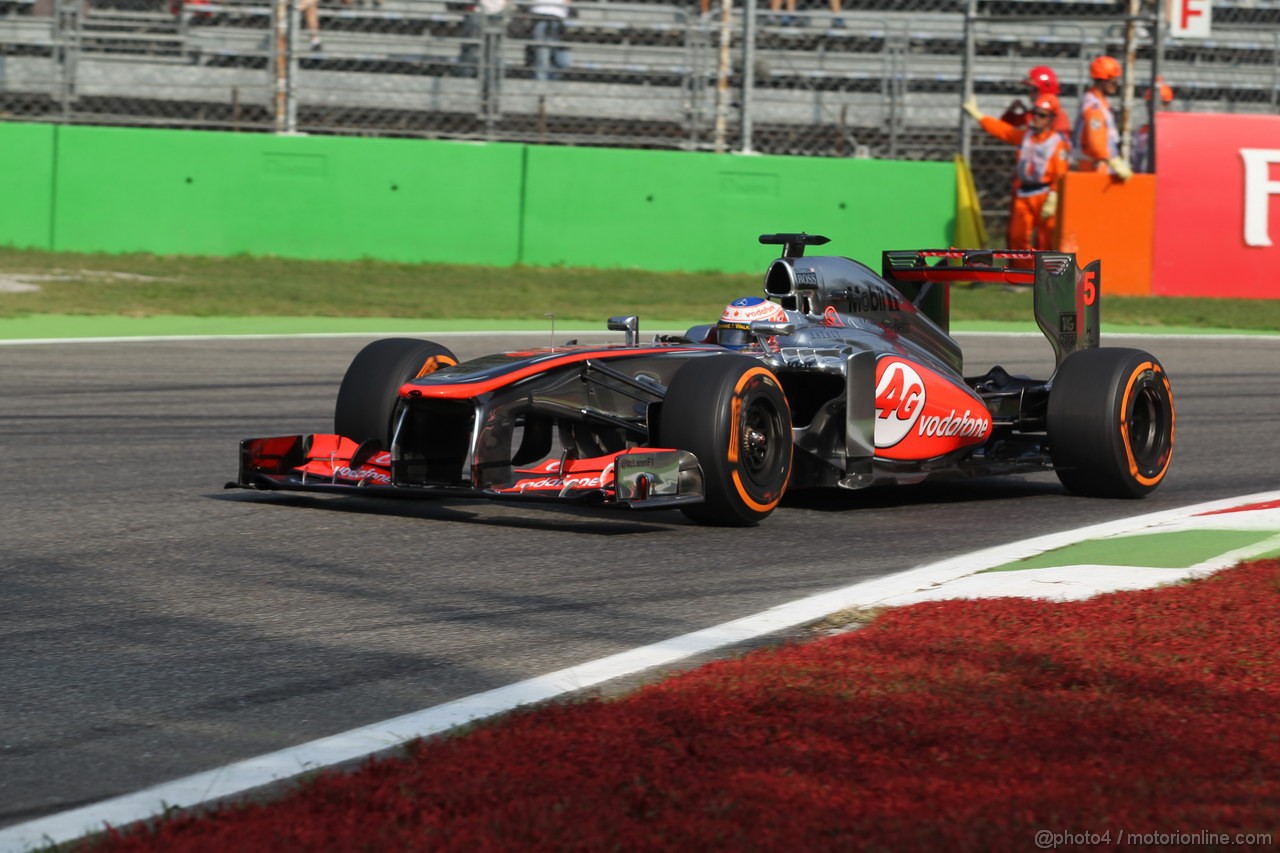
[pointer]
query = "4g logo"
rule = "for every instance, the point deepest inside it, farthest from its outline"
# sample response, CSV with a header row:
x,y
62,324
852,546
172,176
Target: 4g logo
x,y
900,397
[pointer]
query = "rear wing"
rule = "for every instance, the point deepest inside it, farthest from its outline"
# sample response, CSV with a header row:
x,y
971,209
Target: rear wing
x,y
1066,297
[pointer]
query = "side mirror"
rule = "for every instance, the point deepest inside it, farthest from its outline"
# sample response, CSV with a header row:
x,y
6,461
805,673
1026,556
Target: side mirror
x,y
629,324
766,329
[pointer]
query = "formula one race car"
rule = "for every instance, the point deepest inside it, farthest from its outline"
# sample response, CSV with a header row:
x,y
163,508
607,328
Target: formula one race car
x,y
837,377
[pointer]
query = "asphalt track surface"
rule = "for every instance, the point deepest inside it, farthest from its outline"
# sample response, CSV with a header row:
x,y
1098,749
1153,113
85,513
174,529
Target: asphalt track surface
x,y
156,625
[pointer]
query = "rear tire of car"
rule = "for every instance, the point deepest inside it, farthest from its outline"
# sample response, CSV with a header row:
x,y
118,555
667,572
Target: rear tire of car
x,y
1111,422
731,413
369,391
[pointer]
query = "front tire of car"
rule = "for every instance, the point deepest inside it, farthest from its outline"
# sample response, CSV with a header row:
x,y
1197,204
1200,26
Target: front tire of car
x,y
731,413
1111,422
369,391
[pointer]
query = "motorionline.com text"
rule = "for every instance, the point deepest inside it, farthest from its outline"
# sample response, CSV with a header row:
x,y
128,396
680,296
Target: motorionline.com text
x,y
1050,840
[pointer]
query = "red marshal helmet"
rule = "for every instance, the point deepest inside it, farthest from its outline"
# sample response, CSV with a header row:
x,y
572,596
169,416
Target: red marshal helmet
x,y
1105,68
1043,80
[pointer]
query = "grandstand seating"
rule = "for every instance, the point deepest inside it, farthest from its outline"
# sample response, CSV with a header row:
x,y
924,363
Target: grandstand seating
x,y
656,45
644,74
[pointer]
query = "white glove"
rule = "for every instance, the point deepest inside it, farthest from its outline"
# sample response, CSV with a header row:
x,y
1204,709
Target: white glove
x,y
1120,168
971,107
1050,206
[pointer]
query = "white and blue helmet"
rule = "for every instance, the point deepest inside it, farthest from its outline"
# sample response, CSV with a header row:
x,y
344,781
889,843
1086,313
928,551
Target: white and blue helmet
x,y
734,329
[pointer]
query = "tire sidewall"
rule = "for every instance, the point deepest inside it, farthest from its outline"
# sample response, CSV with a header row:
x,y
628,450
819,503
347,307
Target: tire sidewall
x,y
370,388
755,397
710,404
1094,396
1145,379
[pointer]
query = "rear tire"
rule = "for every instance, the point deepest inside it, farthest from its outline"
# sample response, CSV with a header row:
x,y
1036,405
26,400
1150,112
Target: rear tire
x,y
369,391
1111,422
731,413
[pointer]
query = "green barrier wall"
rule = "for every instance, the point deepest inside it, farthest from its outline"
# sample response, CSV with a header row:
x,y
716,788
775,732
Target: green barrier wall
x,y
205,193
666,210
185,192
26,184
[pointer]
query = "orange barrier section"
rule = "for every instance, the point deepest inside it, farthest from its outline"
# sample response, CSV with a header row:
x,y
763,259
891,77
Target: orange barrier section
x,y
1104,218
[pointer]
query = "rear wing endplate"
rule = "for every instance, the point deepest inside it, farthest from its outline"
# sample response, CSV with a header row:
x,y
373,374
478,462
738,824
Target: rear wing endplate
x,y
1066,297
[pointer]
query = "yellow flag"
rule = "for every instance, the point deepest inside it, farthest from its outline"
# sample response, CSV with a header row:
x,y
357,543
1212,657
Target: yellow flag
x,y
971,231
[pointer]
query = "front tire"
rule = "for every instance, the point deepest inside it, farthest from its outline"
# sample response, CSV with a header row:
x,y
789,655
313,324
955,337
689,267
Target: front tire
x,y
369,391
731,413
1111,422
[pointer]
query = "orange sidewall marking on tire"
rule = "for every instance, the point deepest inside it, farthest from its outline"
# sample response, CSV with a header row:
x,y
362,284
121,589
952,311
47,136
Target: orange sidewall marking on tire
x,y
736,412
432,364
1124,424
755,505
746,377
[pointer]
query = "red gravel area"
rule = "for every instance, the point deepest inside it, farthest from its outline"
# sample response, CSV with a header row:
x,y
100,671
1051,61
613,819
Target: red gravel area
x,y
956,725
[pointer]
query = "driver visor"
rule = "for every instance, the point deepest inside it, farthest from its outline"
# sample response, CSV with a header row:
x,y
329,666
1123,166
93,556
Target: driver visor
x,y
734,334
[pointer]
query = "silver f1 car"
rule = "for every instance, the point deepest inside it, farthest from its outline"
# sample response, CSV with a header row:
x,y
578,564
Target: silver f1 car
x,y
848,379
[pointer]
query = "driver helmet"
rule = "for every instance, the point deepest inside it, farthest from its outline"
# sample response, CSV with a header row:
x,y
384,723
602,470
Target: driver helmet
x,y
734,329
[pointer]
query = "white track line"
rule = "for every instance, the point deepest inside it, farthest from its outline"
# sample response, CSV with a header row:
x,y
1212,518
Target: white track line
x,y
355,744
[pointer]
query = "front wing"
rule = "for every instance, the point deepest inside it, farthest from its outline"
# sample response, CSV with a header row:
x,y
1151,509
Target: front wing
x,y
640,478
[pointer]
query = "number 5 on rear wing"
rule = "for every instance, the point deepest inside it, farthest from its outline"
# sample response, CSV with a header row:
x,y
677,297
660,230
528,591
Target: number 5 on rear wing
x,y
1066,297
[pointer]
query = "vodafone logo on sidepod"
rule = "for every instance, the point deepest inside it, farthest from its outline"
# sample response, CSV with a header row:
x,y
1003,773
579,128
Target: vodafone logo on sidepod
x,y
900,398
921,414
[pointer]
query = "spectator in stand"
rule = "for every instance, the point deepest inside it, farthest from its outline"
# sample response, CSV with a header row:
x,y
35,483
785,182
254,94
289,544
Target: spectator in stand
x,y
1096,140
791,19
481,15
1142,160
837,21
550,54
1040,80
787,20
1042,162
310,10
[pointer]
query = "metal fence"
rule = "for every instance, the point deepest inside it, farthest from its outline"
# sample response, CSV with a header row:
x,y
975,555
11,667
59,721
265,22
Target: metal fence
x,y
860,78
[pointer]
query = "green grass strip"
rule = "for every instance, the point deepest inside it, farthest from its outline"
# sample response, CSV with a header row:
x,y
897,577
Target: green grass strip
x,y
1179,549
35,285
